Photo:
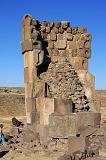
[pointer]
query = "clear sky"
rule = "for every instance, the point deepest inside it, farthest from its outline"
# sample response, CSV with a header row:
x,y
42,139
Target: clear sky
x,y
88,13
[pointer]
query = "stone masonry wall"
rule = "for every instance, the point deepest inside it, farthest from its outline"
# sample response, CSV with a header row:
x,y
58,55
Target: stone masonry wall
x,y
48,45
58,40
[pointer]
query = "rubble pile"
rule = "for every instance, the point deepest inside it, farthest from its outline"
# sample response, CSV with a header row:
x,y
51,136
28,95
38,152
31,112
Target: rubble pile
x,y
63,82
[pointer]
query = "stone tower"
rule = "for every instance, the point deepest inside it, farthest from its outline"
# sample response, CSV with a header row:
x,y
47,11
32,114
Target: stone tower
x,y
59,90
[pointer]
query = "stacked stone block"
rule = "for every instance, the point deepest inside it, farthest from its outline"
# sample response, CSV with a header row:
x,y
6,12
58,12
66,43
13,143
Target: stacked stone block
x,y
29,69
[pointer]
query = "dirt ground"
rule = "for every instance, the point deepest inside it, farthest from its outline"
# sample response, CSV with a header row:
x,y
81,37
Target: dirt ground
x,y
25,154
40,154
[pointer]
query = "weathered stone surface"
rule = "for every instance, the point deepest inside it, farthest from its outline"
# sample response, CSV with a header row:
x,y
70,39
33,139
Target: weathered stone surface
x,y
69,37
87,131
53,36
88,80
30,104
50,24
82,30
57,67
43,133
34,22
88,119
44,106
71,44
77,62
26,27
26,74
64,24
95,106
69,30
85,64
57,24
27,46
29,90
62,106
64,83
61,30
54,59
74,30
51,44
80,53
88,45
40,89
30,110
55,30
80,44
62,126
71,127
34,34
60,37
88,36
29,58
55,52
77,144
100,95
61,44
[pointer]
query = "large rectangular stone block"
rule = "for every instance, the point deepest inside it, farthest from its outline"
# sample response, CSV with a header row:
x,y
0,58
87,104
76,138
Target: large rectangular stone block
x,y
30,104
53,36
31,117
40,89
61,44
26,28
27,45
44,106
29,90
62,126
28,59
63,106
29,74
30,110
88,119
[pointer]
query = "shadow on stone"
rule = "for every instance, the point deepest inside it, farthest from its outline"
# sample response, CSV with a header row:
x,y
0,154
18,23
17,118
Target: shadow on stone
x,y
3,153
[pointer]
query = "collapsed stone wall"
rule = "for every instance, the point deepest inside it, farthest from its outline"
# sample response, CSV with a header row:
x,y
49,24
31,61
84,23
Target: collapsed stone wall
x,y
46,45
63,83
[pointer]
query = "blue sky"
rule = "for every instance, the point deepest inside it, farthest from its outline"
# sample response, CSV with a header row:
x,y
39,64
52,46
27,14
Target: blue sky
x,y
88,13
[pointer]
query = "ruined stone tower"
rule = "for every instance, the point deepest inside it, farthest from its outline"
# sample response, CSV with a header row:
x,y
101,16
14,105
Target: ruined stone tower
x,y
58,87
